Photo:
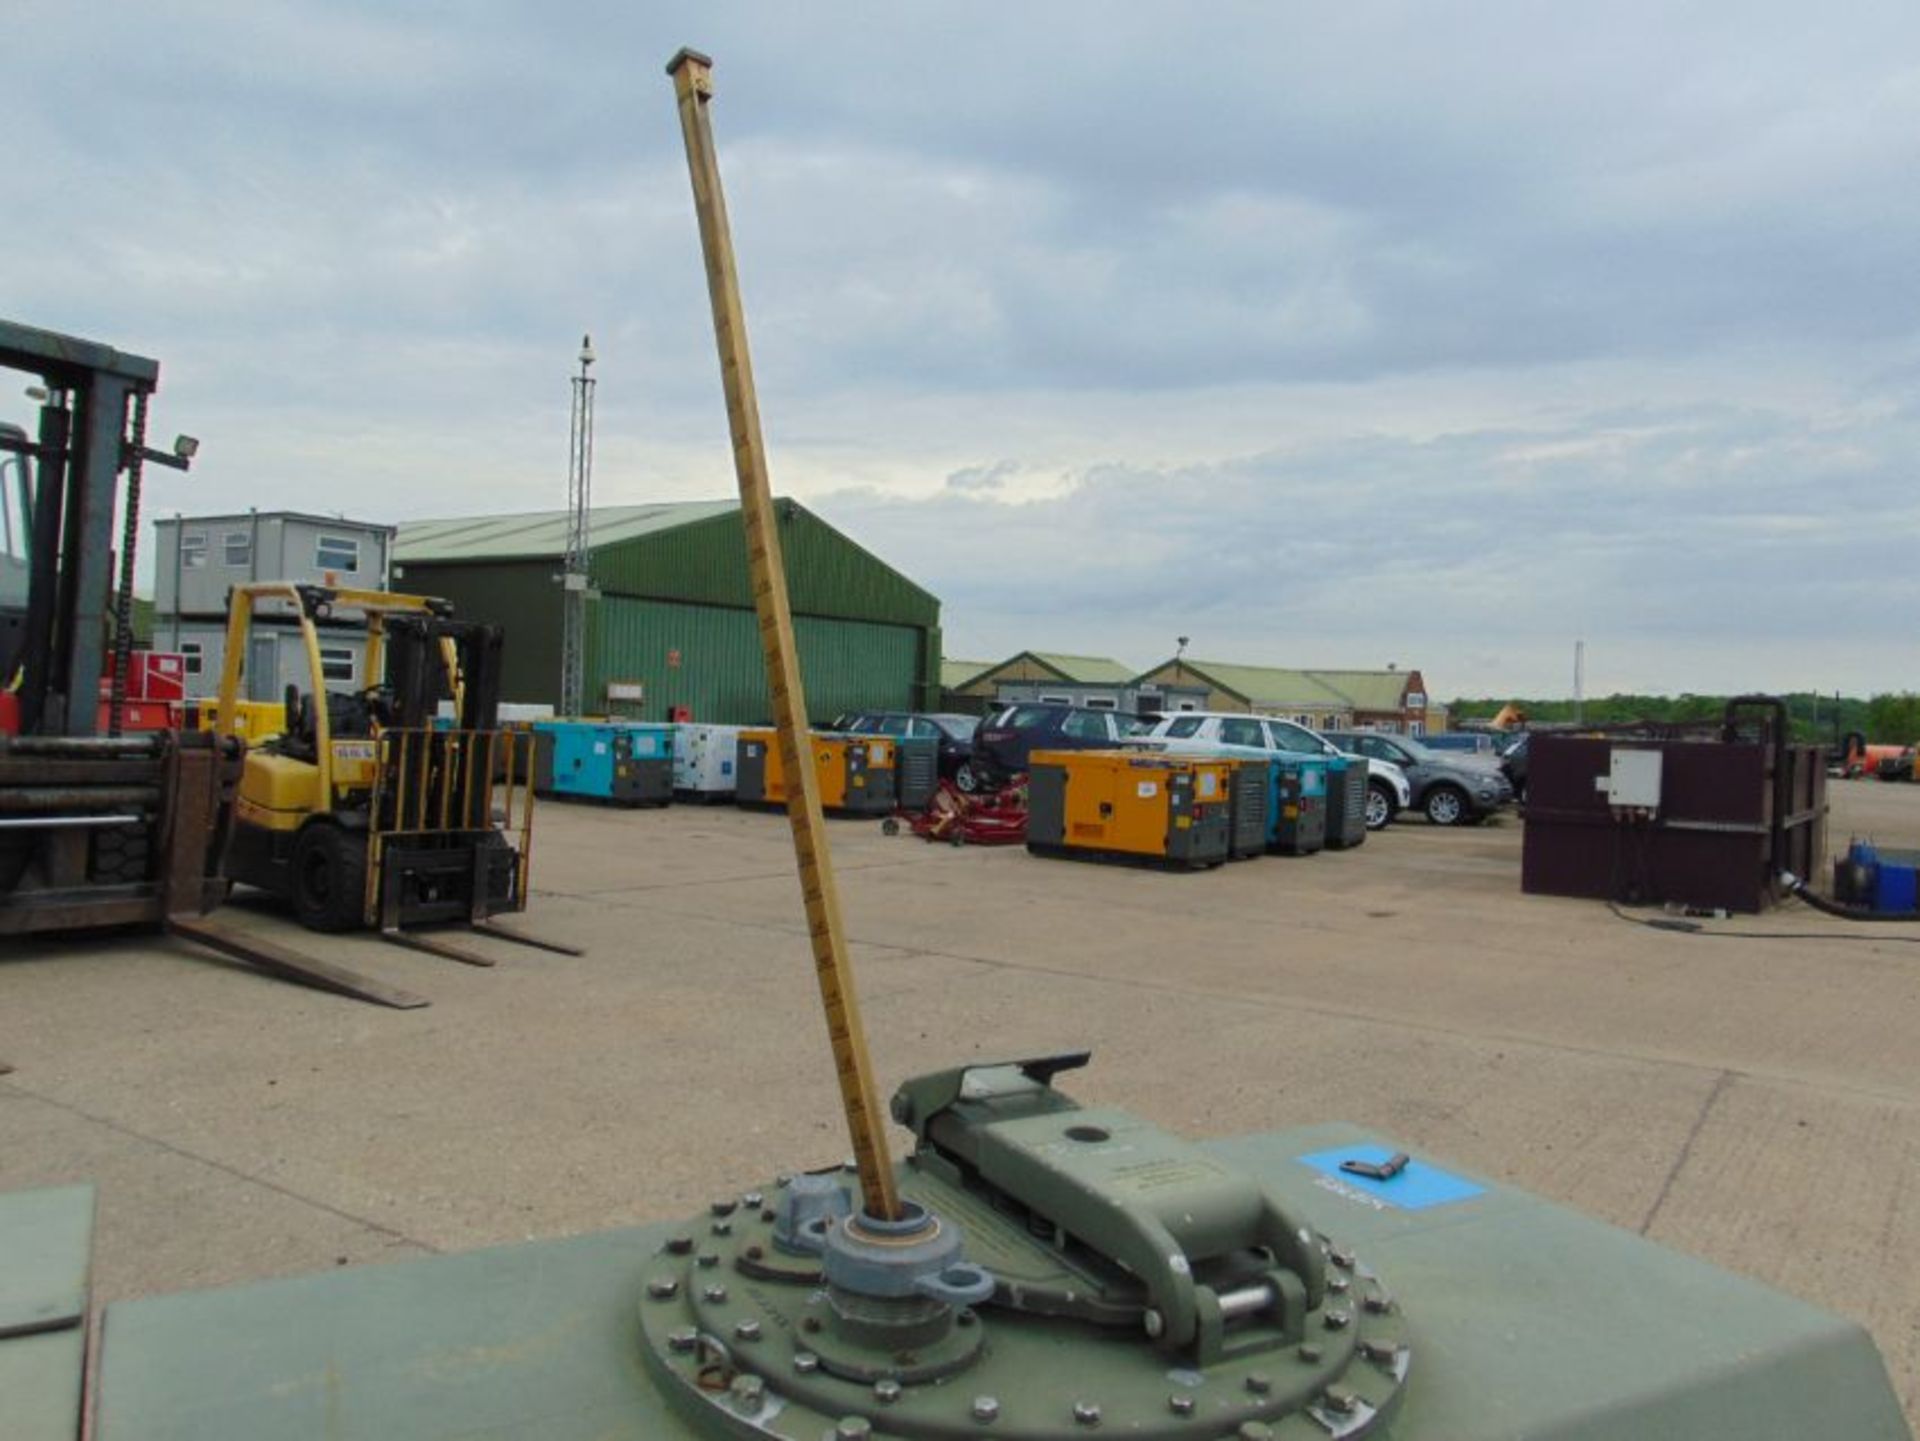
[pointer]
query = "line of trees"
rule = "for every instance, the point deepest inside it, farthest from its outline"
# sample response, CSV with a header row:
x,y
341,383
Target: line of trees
x,y
1891,718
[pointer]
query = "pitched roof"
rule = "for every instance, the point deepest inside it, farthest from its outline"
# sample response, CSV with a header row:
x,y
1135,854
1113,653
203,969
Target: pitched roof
x,y
1084,669
956,673
1372,690
532,535
1265,685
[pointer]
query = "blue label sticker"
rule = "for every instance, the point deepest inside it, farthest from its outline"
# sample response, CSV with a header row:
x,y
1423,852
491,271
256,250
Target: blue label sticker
x,y
1414,1189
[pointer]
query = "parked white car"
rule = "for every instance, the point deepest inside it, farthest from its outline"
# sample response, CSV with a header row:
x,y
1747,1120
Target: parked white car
x,y
1197,732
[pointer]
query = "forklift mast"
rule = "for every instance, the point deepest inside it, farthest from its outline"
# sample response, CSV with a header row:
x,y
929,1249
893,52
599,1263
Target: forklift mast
x,y
59,507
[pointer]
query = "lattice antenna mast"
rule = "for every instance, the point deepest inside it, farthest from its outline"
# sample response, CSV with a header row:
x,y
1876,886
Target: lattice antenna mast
x,y
573,641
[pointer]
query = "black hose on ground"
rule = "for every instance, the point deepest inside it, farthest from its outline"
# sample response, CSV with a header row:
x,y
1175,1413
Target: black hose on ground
x,y
1805,892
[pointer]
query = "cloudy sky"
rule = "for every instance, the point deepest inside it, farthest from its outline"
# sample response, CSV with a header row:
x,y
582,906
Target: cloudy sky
x,y
1325,335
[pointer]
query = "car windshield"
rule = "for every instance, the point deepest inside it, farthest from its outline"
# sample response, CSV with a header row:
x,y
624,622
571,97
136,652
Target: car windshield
x,y
1183,726
1135,725
1026,717
960,727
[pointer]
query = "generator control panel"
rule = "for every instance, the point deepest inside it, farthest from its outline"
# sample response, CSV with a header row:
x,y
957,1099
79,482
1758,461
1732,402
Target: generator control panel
x,y
1632,781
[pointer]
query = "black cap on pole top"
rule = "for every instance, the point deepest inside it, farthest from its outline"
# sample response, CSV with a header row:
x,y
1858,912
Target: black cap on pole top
x,y
688,53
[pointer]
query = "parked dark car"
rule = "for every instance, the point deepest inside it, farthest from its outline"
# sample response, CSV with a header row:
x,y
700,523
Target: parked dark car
x,y
954,732
1449,788
1010,734
1513,765
1473,743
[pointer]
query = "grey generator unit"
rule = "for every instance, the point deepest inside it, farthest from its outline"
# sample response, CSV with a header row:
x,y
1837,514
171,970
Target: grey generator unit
x,y
706,761
917,773
1250,824
1346,802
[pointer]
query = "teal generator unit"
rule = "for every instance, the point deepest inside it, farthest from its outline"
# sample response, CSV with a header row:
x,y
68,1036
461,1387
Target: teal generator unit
x,y
626,763
1298,800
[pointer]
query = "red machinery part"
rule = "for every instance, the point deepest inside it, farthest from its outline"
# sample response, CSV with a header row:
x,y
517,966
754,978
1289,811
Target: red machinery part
x,y
999,819
9,713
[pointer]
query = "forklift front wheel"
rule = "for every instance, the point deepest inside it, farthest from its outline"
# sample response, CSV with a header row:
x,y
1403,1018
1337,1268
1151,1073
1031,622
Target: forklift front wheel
x,y
329,878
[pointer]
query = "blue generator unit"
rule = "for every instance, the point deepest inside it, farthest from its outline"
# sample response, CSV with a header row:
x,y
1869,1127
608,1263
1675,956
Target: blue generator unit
x,y
1886,882
625,763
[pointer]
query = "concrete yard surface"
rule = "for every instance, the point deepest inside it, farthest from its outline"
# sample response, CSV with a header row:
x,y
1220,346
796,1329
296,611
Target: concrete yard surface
x,y
1753,1101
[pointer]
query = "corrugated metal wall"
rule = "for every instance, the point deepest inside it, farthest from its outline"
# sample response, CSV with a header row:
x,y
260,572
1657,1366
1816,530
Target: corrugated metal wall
x,y
827,574
844,664
522,597
869,638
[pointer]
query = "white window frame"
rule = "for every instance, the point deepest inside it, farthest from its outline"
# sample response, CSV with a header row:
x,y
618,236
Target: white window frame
x,y
241,538
1102,702
1416,700
322,541
192,656
1186,706
332,655
193,550
1054,700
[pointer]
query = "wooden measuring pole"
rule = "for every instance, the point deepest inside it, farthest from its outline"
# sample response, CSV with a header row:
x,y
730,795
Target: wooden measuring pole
x,y
692,75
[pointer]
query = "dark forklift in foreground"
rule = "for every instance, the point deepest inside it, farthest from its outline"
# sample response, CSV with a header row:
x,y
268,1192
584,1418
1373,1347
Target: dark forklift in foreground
x,y
365,812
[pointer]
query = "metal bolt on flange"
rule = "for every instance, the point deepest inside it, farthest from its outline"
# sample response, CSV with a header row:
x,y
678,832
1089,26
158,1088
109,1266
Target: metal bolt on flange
x,y
1341,1401
749,1393
1381,1353
851,1428
723,1228
679,1245
1310,1353
886,1390
1259,1383
805,1362
724,1208
1336,1320
985,1408
1180,1404
683,1340
1087,1413
1378,1305
751,1200
663,1288
715,1294
1254,1431
707,1258
747,1331
1341,1258
1338,1284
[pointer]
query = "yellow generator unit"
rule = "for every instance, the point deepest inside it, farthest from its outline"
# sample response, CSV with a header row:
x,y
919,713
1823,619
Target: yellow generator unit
x,y
255,720
857,773
1169,808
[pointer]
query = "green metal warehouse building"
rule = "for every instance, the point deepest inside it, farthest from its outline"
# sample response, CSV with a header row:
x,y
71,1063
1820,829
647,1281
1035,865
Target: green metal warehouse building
x,y
674,610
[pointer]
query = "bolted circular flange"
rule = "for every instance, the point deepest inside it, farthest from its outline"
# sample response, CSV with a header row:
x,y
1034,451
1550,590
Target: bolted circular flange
x,y
817,1374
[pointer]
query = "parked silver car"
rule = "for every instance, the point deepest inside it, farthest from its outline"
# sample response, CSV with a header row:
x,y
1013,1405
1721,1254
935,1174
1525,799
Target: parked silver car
x,y
1450,788
1388,791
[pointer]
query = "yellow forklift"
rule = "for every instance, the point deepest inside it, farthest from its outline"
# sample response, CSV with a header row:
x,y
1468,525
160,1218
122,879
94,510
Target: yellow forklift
x,y
364,811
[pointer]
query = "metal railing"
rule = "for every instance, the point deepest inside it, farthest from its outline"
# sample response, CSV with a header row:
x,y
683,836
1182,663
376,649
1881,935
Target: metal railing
x,y
450,782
